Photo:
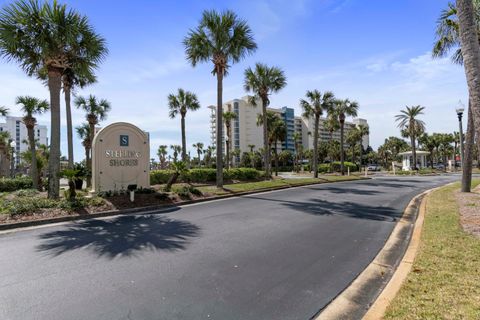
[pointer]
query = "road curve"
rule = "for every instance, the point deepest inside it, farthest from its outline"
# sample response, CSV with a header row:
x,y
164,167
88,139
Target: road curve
x,y
277,255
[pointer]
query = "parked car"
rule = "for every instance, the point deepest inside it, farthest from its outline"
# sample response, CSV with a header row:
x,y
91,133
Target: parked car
x,y
373,167
439,166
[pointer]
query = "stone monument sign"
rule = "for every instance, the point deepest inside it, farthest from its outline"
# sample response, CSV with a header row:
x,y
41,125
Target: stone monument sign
x,y
120,158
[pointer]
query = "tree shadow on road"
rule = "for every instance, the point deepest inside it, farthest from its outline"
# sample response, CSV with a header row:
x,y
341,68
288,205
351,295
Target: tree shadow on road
x,y
356,210
350,190
123,236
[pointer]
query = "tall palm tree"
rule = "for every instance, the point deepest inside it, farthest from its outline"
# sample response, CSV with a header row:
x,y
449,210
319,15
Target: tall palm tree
x,y
96,111
224,39
176,150
278,133
4,136
262,82
297,136
313,107
180,104
83,132
31,106
344,108
448,39
252,154
228,116
208,156
408,119
363,130
162,155
70,80
353,137
46,38
199,147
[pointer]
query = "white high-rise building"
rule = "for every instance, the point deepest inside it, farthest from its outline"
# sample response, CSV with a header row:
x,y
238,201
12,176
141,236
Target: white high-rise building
x,y
18,133
246,133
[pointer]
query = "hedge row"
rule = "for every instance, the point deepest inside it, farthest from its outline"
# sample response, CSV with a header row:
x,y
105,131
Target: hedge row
x,y
333,167
205,175
9,185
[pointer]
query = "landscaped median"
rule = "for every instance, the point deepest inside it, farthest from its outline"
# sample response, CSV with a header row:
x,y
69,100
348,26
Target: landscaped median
x,y
30,207
444,282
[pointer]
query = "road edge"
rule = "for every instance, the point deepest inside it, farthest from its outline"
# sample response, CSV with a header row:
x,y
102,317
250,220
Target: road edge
x,y
369,294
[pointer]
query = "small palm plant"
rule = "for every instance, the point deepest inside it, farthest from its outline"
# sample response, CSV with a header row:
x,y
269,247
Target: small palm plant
x,y
178,168
408,120
314,107
224,39
96,110
31,106
179,104
71,175
263,81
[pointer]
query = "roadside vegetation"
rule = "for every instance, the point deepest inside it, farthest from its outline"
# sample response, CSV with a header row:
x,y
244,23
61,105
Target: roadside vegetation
x,y
444,281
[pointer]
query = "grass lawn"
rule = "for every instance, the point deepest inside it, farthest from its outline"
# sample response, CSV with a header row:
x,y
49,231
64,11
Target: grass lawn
x,y
445,279
259,185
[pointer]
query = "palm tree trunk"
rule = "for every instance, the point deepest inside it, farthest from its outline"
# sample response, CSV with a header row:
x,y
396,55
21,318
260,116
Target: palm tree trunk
x,y
54,86
184,139
414,151
89,159
266,146
276,159
68,112
219,128
468,153
227,157
315,146
33,168
342,155
471,55
199,161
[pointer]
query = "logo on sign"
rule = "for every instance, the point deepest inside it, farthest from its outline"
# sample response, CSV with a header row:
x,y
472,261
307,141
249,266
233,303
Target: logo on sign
x,y
123,140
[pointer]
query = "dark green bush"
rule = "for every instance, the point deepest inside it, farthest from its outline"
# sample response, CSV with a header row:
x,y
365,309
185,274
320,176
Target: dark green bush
x,y
206,175
9,185
335,166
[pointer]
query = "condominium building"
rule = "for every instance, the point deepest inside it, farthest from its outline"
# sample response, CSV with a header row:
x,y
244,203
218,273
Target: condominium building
x,y
245,132
18,133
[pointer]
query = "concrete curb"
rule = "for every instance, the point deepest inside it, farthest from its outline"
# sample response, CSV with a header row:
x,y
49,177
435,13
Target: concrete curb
x,y
396,256
40,222
377,310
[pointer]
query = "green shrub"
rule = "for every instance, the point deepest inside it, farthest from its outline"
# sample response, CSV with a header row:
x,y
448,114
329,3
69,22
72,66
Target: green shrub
x,y
9,185
324,168
22,205
206,175
335,166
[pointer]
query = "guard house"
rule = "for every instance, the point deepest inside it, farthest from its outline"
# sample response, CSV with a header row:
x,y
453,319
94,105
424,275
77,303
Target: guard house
x,y
407,159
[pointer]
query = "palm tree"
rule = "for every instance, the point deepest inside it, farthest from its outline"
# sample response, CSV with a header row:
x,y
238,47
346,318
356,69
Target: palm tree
x,y
30,107
228,116
314,107
83,132
208,156
235,153
353,137
176,150
96,111
297,136
408,119
199,147
46,38
344,108
224,39
71,80
278,133
363,130
4,136
162,155
180,104
448,38
262,82
429,143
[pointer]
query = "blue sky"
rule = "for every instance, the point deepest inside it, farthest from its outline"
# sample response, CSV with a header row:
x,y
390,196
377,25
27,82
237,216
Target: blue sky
x,y
374,51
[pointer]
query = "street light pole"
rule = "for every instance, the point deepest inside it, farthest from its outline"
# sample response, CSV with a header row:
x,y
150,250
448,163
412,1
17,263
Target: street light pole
x,y
460,109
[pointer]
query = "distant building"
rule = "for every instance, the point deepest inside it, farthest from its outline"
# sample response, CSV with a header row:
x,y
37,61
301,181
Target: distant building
x,y
18,133
245,131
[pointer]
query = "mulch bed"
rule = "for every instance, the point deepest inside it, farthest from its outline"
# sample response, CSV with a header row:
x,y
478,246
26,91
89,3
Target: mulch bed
x,y
469,206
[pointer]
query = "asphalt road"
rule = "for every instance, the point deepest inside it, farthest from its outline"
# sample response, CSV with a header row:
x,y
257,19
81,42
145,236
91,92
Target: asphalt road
x,y
278,255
